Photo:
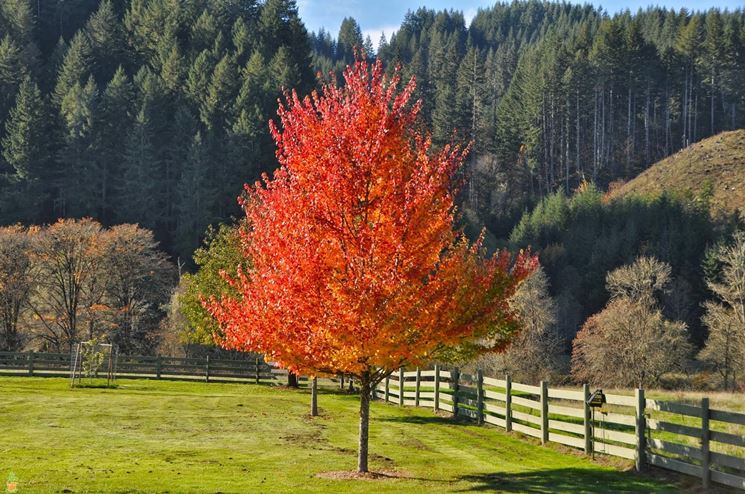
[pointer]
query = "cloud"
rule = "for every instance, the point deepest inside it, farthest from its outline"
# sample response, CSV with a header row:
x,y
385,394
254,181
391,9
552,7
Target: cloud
x,y
469,14
375,33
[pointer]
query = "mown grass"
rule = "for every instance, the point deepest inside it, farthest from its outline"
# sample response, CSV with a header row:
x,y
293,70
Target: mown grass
x,y
153,436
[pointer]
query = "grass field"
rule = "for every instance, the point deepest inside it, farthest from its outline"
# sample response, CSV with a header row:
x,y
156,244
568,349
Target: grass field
x,y
155,436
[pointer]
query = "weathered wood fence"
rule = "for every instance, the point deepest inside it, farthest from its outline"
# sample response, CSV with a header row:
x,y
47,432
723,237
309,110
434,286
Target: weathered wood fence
x,y
690,439
152,367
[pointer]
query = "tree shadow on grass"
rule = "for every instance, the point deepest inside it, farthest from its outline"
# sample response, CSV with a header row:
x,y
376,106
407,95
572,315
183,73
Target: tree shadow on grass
x,y
426,420
564,480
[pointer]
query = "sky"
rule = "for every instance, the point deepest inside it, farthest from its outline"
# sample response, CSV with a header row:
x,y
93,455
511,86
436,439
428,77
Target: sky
x,y
385,16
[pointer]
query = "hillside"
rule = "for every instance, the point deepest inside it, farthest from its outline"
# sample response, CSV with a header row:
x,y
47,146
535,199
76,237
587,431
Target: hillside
x,y
714,167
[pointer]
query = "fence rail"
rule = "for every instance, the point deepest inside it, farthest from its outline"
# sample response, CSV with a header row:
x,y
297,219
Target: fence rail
x,y
153,367
690,439
682,437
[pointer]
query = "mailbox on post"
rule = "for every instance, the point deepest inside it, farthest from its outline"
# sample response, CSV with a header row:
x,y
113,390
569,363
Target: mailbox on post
x,y
597,399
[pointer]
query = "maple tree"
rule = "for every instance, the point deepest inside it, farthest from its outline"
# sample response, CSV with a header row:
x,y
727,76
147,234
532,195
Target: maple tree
x,y
356,265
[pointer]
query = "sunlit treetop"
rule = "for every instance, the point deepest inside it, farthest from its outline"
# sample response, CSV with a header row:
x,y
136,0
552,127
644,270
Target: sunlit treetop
x,y
357,264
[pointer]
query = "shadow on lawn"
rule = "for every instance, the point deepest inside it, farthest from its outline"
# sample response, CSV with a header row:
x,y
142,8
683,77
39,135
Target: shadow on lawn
x,y
569,480
426,420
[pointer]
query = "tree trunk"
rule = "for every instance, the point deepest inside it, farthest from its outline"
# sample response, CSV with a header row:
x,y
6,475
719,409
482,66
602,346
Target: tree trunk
x,y
364,425
292,380
314,397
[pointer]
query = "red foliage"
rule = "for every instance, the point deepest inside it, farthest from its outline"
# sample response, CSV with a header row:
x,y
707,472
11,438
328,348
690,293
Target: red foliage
x,y
356,264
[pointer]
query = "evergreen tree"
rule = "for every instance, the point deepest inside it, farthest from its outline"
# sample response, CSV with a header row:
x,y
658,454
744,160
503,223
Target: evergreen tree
x,y
77,157
25,148
349,39
194,204
138,191
75,68
203,32
171,65
11,74
113,120
197,81
106,37
220,94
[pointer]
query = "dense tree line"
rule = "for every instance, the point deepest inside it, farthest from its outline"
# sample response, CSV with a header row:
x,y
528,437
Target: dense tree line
x,y
582,237
155,111
553,94
75,280
143,111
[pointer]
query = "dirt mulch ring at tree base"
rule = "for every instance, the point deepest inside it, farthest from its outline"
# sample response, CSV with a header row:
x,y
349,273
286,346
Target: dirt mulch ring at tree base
x,y
352,475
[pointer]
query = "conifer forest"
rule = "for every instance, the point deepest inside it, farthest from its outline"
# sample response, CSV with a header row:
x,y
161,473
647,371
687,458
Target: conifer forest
x,y
156,113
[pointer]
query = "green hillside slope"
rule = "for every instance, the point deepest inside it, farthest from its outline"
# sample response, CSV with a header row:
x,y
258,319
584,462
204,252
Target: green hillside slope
x,y
712,169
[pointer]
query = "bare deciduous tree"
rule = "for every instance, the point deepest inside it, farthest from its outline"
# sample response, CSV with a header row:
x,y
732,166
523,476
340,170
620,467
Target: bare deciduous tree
x,y
537,352
16,282
725,347
630,342
92,283
139,283
66,258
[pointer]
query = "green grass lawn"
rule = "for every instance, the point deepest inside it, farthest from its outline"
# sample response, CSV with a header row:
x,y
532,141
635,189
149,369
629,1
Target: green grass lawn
x,y
157,436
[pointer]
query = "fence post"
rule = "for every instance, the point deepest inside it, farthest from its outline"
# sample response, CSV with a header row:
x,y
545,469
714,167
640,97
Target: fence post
x,y
641,423
257,370
544,412
31,363
455,377
400,386
587,419
158,367
705,453
508,403
418,385
480,396
314,397
437,387
207,370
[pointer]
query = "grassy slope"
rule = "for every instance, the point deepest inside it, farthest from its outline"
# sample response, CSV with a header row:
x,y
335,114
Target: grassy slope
x,y
717,162
149,436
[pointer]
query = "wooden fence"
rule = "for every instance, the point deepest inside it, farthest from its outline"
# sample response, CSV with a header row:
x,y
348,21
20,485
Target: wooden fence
x,y
689,439
152,367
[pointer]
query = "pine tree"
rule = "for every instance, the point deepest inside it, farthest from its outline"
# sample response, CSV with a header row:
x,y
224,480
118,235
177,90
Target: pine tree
x,y
280,25
444,113
349,39
197,81
12,72
17,19
220,94
283,72
78,190
194,198
203,32
138,190
75,68
148,22
106,37
113,120
181,131
171,65
243,41
25,147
